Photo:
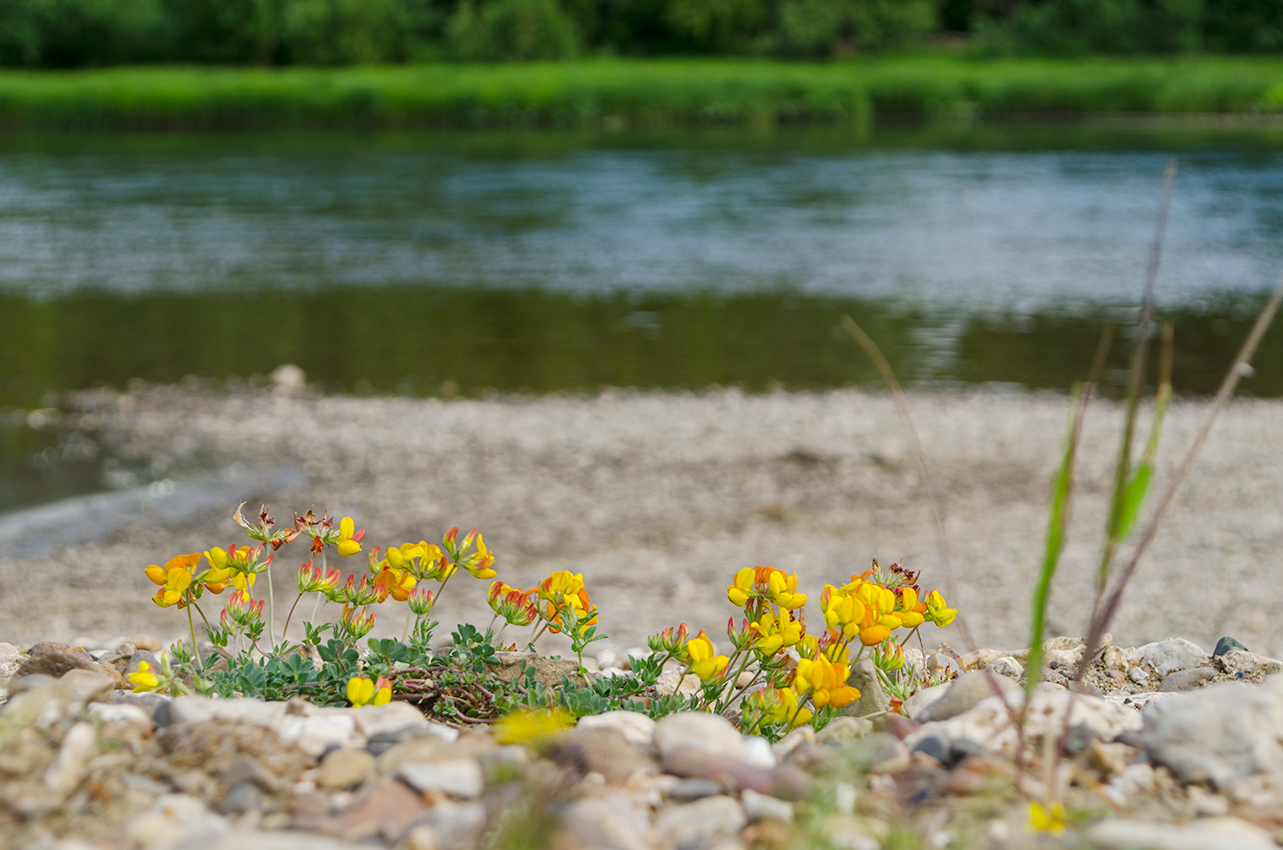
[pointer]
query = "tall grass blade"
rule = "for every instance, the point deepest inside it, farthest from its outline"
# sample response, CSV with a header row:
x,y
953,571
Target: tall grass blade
x,y
1138,486
1135,379
1240,367
937,522
1062,492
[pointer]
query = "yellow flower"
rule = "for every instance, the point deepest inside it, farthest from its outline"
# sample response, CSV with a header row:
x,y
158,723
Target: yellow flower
x,y
174,578
702,658
349,542
144,679
912,610
521,727
361,691
826,682
785,709
773,634
765,583
937,611
842,611
481,562
1051,819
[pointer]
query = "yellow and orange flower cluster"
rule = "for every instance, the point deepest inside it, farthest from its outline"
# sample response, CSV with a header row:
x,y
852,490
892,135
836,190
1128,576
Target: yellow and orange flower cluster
x,y
565,599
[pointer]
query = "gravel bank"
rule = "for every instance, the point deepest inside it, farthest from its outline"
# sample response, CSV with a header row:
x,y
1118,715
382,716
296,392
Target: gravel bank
x,y
658,498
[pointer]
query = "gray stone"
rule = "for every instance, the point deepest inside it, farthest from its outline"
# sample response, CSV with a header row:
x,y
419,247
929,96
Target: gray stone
x,y
344,768
1187,680
701,731
253,839
635,726
1249,663
916,704
765,807
602,750
139,657
241,798
173,820
72,765
609,823
1007,666
964,693
458,778
457,825
694,789
1227,644
1168,656
54,659
1204,834
873,699
844,729
879,752
1222,735
701,821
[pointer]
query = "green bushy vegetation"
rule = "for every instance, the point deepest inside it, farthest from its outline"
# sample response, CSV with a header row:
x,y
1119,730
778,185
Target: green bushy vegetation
x,y
79,33
629,92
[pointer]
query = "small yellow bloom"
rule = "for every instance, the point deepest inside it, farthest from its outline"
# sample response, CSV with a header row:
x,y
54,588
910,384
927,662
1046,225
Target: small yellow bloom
x,y
349,539
522,727
825,681
1051,819
144,679
702,658
937,611
912,610
361,691
776,634
785,709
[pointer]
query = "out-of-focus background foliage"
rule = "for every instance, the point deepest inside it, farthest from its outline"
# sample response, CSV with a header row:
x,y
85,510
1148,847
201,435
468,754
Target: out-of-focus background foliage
x,y
79,33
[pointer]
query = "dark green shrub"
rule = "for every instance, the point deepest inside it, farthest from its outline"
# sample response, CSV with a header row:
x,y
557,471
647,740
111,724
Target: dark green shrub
x,y
818,27
229,32
718,26
70,33
1081,27
1243,25
512,30
340,32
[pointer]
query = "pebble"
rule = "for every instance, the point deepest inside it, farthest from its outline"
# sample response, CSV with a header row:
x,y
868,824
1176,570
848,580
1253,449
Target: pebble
x,y
458,778
344,768
844,729
1227,644
1248,663
1220,735
705,820
1187,680
383,810
758,752
1007,666
608,823
1206,834
700,731
636,727
765,807
1138,675
873,699
964,693
72,764
694,789
602,750
1168,656
172,820
54,659
253,839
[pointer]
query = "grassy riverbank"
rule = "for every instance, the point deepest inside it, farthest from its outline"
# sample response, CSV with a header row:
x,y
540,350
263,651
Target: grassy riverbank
x,y
628,92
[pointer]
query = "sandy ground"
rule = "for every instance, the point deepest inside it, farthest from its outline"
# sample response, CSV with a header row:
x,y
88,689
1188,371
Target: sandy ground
x,y
659,498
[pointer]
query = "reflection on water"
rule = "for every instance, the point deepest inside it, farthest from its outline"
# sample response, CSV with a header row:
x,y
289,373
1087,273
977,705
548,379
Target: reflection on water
x,y
427,264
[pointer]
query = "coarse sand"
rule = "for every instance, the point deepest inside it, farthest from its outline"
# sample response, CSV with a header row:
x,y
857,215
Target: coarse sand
x,y
659,498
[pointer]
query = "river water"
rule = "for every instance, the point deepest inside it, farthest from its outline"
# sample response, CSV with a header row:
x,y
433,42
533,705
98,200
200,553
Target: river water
x,y
461,263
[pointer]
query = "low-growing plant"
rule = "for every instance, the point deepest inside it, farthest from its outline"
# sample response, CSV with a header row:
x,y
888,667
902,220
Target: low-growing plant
x,y
778,676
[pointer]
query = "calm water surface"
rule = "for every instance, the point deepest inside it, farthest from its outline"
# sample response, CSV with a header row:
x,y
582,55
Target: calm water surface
x,y
548,262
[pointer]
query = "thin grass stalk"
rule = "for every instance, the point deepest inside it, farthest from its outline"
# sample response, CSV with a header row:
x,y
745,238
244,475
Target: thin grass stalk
x,y
901,402
1240,367
1114,535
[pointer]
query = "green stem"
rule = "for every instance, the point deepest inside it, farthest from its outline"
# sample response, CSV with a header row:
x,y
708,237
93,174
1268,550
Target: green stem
x,y
271,607
191,625
285,630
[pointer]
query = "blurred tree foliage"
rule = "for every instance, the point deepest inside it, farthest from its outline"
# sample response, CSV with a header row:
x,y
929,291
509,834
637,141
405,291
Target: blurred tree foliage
x,y
72,33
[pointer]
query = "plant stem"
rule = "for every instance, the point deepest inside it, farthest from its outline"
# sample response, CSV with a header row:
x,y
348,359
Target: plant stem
x,y
285,630
191,625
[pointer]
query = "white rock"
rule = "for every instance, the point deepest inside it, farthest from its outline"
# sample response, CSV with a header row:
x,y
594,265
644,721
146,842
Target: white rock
x,y
119,712
315,734
1139,675
758,751
393,717
1135,779
1007,666
10,660
698,730
72,765
458,777
1249,663
237,710
989,725
172,820
614,822
1168,656
918,703
1206,834
1221,735
765,807
636,727
704,820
